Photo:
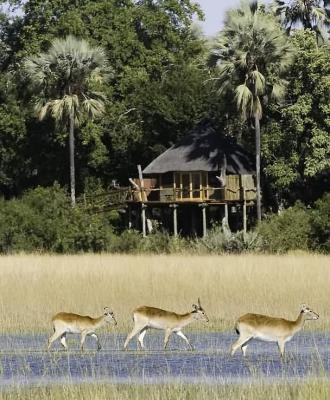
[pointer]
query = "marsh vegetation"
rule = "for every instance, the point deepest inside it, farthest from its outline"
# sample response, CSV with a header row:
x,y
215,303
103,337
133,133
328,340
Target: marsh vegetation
x,y
34,287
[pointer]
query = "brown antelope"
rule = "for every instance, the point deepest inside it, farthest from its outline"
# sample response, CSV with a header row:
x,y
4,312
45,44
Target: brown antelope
x,y
149,317
64,323
269,329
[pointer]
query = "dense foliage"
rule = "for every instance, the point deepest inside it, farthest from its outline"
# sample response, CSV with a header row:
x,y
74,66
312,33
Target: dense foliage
x,y
159,86
43,220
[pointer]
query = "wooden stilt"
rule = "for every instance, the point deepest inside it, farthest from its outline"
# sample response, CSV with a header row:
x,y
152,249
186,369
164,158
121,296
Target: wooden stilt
x,y
225,221
203,206
175,219
226,213
244,217
244,212
143,218
130,223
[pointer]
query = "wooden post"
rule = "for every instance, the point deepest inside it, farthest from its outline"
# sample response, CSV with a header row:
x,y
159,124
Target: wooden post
x,y
226,213
141,183
244,217
130,224
143,218
175,219
244,211
203,206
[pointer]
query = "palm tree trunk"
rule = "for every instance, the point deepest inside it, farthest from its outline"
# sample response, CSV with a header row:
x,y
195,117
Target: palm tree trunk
x,y
72,167
257,130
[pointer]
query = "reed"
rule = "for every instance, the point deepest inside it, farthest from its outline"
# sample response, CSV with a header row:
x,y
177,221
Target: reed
x,y
305,390
35,287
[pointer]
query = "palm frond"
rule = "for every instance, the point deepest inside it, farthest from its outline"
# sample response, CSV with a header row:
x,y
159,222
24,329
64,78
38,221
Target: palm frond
x,y
93,107
244,100
66,76
42,109
259,81
278,90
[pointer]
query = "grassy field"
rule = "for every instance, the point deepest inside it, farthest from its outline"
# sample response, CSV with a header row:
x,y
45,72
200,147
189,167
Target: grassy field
x,y
308,390
33,287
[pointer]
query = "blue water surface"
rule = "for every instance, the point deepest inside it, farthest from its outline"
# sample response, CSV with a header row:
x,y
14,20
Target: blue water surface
x,y
24,360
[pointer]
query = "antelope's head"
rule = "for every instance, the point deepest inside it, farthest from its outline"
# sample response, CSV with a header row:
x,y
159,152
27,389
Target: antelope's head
x,y
308,313
109,316
199,313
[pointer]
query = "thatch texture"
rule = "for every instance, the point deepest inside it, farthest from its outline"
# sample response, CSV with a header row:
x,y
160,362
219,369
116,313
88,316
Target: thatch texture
x,y
203,149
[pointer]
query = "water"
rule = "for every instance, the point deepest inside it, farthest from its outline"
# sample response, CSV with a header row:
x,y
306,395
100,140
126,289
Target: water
x,y
24,360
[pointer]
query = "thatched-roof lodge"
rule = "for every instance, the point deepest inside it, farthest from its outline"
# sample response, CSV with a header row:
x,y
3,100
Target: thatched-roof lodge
x,y
203,169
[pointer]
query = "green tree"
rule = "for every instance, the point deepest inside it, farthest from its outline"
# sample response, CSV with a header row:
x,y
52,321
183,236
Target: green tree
x,y
296,140
152,49
251,53
311,14
66,78
14,164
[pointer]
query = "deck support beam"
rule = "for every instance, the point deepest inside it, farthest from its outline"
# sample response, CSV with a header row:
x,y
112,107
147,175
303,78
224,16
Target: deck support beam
x,y
143,219
226,213
244,217
225,220
175,219
203,207
130,223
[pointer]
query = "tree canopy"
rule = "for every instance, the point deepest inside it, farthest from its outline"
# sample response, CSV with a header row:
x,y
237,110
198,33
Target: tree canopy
x,y
159,87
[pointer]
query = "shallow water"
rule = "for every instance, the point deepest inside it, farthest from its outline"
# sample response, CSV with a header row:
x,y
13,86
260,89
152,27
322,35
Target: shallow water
x,y
24,360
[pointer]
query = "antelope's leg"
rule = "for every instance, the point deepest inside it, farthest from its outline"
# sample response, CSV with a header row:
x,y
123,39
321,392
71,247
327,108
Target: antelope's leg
x,y
55,336
141,337
179,333
94,335
82,341
239,343
243,348
135,331
63,341
281,345
166,338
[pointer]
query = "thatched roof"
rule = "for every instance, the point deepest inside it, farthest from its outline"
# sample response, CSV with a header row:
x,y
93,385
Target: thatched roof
x,y
203,150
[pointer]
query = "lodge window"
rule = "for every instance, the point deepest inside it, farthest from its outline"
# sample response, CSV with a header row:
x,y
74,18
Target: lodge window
x,y
191,185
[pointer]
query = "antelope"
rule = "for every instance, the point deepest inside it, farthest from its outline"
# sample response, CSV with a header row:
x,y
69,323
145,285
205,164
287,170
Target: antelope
x,y
150,317
269,329
64,323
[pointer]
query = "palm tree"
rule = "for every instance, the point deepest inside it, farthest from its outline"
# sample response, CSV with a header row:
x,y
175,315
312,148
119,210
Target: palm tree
x,y
65,79
250,54
311,14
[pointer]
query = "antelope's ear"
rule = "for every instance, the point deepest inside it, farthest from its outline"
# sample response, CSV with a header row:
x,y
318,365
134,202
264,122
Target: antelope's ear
x,y
194,307
303,307
106,310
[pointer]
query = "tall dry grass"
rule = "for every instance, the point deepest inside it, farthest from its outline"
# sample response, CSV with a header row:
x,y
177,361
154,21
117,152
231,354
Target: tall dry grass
x,y
33,287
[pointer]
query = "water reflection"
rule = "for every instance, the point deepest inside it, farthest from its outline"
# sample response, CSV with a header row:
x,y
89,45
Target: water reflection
x,y
23,359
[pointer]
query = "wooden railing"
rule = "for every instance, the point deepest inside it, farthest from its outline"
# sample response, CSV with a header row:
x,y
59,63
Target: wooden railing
x,y
210,194
107,201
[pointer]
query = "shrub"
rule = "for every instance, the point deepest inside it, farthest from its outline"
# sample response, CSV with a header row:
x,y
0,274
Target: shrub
x,y
288,231
320,224
131,241
128,242
219,241
163,243
44,220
